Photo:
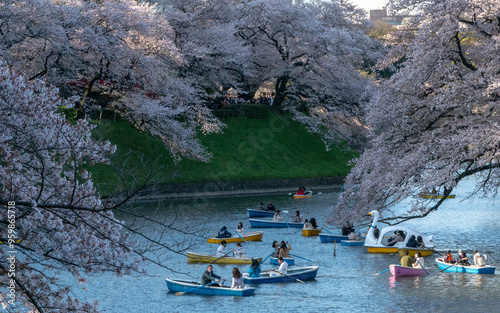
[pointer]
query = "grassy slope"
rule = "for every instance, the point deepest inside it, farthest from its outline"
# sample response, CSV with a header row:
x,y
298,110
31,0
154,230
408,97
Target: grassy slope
x,y
249,149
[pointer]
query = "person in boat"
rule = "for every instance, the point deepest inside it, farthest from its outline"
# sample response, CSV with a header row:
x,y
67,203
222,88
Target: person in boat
x,y
209,276
313,223
479,259
239,229
462,258
419,260
221,250
277,217
237,279
376,231
412,242
254,270
239,251
261,206
420,242
297,218
398,237
223,233
271,206
282,269
275,246
448,258
300,192
407,260
284,249
307,225
347,228
353,236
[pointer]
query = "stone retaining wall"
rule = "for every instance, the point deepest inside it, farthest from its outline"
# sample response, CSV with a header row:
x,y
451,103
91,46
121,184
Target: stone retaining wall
x,y
238,188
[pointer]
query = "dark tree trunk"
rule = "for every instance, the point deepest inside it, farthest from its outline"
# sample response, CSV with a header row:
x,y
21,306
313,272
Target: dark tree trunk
x,y
280,88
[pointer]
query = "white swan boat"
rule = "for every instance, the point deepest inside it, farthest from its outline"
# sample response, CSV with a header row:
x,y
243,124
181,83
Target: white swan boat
x,y
381,244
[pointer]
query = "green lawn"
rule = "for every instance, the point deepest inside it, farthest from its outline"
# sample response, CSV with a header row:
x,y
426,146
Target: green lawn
x,y
270,147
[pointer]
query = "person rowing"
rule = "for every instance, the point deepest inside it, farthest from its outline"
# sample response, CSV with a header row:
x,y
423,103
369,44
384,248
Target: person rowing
x,y
277,217
209,276
283,269
221,250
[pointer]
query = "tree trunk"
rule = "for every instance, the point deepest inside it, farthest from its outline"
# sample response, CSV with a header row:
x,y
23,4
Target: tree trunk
x,y
280,88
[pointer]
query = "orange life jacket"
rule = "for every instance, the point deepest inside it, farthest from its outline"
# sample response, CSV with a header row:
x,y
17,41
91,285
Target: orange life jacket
x,y
448,257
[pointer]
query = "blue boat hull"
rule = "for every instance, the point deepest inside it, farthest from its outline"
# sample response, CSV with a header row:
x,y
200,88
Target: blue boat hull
x,y
352,242
259,213
331,238
192,287
447,267
290,261
269,224
303,274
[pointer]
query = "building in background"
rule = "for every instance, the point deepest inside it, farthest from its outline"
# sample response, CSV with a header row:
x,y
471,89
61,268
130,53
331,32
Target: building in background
x,y
381,16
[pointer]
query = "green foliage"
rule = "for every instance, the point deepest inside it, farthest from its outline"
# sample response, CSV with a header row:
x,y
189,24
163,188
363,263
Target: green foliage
x,y
69,113
274,147
253,111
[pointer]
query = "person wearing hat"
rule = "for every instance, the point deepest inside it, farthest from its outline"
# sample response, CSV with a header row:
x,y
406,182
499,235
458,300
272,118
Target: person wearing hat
x,y
462,258
448,258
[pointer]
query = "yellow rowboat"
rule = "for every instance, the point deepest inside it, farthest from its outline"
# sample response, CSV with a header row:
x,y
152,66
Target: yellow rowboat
x,y
253,236
382,249
435,196
411,251
311,232
210,258
307,194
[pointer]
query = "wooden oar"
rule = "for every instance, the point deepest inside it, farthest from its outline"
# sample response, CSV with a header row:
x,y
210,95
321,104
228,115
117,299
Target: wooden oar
x,y
221,257
180,293
326,230
300,281
301,257
241,237
448,267
267,257
433,250
383,271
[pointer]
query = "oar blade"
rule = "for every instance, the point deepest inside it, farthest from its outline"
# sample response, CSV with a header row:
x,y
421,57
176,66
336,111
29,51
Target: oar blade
x,y
180,293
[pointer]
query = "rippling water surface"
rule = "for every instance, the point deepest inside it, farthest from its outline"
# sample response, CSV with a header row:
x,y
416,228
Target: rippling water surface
x,y
345,282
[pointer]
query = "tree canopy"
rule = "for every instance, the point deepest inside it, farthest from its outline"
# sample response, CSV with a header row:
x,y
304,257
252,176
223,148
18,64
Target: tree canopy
x,y
435,121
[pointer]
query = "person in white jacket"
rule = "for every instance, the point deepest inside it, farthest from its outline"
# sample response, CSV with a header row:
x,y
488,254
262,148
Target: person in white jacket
x,y
479,259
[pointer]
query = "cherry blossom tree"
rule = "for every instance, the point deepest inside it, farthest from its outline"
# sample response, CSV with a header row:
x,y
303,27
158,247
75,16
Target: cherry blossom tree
x,y
52,216
313,52
435,121
215,59
121,50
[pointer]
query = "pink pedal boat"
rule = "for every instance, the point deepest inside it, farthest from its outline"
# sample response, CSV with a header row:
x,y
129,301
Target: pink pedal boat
x,y
400,271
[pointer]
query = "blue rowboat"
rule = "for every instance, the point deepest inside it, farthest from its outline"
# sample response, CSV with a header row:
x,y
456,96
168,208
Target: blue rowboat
x,y
302,273
331,238
177,285
270,224
259,213
290,261
448,267
352,242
